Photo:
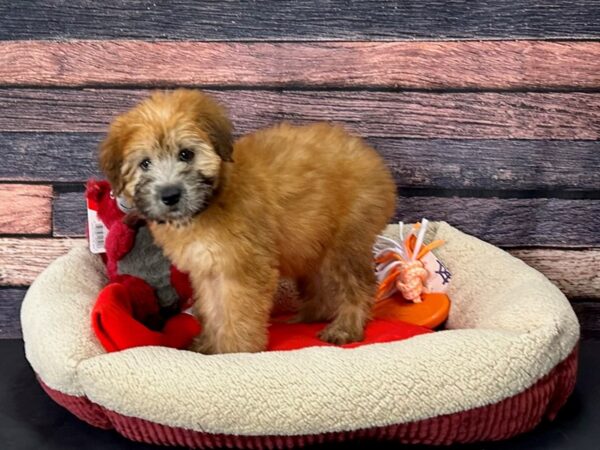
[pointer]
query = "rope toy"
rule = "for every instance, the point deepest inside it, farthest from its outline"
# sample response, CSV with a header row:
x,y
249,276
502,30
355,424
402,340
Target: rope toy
x,y
399,267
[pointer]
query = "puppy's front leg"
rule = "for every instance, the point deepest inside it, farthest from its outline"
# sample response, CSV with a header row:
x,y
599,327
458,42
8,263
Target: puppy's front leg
x,y
234,309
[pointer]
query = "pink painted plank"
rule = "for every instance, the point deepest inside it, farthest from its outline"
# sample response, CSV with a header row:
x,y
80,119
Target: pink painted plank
x,y
25,209
22,259
466,64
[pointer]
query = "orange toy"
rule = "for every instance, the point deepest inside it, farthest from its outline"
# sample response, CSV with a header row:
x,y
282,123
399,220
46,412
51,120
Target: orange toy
x,y
430,313
412,281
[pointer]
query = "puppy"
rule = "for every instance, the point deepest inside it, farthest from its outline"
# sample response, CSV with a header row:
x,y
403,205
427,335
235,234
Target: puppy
x,y
305,202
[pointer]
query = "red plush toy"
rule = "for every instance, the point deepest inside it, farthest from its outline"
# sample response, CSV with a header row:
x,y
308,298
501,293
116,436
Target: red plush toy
x,y
144,287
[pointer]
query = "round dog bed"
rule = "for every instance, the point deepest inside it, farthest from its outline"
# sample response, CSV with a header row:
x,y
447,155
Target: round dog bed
x,y
506,360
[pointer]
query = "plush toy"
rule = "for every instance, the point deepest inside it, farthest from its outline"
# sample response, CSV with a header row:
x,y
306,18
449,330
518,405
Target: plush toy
x,y
412,281
129,250
124,317
146,293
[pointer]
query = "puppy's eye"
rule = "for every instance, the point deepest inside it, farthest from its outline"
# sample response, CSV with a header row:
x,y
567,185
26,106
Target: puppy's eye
x,y
186,155
145,164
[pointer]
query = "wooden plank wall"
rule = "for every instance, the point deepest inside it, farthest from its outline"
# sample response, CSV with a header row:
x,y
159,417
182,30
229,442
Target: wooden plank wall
x,y
488,112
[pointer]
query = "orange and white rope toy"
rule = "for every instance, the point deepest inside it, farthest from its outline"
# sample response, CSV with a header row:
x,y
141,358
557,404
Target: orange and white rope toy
x,y
399,266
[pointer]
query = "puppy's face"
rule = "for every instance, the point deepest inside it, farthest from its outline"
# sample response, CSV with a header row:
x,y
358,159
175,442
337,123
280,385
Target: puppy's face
x,y
165,154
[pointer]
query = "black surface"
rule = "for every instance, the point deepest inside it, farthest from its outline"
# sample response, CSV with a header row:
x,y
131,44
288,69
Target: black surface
x,y
30,420
298,19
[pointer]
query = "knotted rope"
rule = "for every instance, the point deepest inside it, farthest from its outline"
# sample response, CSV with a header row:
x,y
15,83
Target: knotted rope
x,y
399,267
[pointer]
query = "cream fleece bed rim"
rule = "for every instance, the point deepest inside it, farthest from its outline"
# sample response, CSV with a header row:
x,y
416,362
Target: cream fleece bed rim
x,y
508,328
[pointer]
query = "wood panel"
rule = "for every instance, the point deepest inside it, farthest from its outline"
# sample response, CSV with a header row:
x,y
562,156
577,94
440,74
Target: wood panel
x,y
25,209
375,114
50,157
10,308
21,260
511,222
492,164
298,19
415,65
70,214
436,163
506,222
575,272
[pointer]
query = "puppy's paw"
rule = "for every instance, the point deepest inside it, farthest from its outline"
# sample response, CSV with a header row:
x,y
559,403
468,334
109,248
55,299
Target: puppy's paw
x,y
339,334
201,344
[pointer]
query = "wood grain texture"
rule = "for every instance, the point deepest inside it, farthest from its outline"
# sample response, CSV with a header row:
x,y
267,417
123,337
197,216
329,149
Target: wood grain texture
x,y
575,272
25,209
505,222
70,214
492,164
22,259
297,19
52,157
435,163
512,222
374,114
415,65
10,308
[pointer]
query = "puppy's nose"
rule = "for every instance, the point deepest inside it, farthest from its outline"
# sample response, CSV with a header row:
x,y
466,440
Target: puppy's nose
x,y
170,195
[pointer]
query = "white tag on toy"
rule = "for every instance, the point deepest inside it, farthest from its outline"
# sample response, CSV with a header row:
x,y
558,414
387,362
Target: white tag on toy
x,y
96,230
438,278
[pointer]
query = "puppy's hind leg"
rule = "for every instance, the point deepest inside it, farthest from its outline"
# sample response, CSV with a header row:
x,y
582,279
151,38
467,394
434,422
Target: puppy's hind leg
x,y
349,287
314,307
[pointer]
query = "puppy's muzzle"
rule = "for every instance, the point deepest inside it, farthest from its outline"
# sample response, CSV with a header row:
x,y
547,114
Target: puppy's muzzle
x,y
170,195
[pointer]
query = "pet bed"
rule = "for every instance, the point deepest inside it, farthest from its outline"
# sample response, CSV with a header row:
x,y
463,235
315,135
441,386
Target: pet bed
x,y
506,360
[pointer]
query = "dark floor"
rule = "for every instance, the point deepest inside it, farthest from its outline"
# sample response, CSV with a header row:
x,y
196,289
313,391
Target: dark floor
x,y
30,420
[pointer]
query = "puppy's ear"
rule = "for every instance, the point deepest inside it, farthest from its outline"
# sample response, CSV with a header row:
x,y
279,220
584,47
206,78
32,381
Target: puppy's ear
x,y
111,156
213,119
219,128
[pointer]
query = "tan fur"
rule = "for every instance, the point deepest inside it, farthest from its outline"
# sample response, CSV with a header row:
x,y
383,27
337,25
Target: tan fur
x,y
304,202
